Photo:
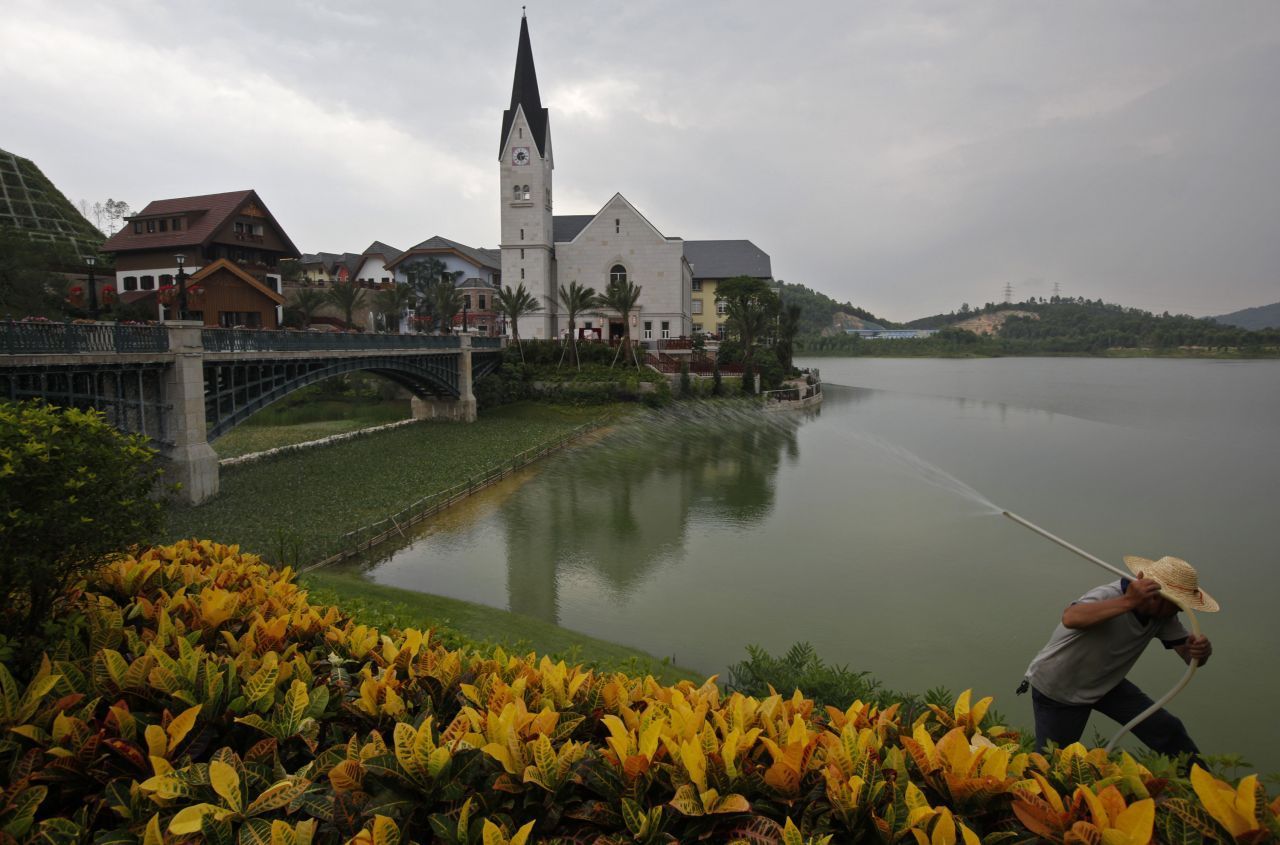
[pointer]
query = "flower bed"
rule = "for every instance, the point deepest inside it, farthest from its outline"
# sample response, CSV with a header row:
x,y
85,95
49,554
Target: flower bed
x,y
199,694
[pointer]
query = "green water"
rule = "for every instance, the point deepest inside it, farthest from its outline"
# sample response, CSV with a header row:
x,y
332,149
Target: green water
x,y
694,533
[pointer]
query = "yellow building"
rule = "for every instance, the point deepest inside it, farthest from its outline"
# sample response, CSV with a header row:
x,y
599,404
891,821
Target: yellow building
x,y
713,262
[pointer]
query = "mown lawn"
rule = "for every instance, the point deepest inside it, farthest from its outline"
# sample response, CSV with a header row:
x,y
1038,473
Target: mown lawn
x,y
294,508
478,626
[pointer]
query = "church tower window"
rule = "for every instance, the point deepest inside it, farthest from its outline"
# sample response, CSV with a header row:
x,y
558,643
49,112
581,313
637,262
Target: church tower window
x,y
515,193
617,226
525,193
617,274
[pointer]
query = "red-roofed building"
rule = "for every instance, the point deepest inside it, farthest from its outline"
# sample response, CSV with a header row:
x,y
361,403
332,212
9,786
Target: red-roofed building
x,y
235,227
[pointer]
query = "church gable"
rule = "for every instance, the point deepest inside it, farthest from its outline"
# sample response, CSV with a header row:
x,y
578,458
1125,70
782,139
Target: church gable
x,y
621,222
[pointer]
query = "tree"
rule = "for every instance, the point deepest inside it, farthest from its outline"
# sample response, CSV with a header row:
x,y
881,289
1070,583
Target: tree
x,y
576,299
514,304
622,296
392,302
346,297
75,491
446,300
290,269
307,301
751,305
788,328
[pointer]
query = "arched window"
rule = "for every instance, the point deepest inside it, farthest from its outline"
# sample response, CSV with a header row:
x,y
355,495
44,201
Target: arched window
x,y
515,192
130,282
617,274
526,193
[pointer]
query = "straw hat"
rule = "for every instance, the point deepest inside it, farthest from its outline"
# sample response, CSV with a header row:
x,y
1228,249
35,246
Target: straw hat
x,y
1177,579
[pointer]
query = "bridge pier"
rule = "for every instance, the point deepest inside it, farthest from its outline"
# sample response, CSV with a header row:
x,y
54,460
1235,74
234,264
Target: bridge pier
x,y
462,409
192,462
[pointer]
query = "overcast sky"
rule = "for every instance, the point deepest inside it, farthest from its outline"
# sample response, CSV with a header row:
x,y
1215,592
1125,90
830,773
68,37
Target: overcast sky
x,y
906,157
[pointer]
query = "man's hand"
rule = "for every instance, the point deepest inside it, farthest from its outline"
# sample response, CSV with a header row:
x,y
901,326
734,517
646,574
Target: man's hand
x,y
1139,590
1197,647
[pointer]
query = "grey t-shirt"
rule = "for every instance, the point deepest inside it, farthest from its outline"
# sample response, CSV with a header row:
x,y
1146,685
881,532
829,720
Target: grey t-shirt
x,y
1081,665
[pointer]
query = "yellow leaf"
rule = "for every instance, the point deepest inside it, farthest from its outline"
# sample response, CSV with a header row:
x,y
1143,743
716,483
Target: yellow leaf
x,y
157,741
153,835
503,756
226,783
791,834
182,725
696,764
1220,801
493,835
187,821
1137,820
385,831
522,835
944,830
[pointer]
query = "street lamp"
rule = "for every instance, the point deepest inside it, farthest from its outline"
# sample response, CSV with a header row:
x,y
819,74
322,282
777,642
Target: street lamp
x,y
182,286
93,288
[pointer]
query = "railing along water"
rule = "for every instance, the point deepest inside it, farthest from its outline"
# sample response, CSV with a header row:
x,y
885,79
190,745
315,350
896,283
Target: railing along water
x,y
48,338
255,340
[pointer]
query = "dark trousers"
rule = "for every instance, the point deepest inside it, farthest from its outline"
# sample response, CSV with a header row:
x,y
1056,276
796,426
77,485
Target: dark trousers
x,y
1063,724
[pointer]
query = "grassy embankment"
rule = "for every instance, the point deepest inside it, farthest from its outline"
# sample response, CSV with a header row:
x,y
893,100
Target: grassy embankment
x,y
297,422
291,509
467,623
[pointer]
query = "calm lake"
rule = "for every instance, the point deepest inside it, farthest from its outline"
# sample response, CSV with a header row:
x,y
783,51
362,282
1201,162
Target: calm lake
x,y
693,534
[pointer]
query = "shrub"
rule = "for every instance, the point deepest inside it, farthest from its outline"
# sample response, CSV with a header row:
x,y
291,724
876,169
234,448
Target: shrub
x,y
207,697
75,490
686,385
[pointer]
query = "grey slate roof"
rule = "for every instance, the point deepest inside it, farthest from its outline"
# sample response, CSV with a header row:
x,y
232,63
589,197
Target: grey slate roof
x,y
726,259
490,258
379,248
565,227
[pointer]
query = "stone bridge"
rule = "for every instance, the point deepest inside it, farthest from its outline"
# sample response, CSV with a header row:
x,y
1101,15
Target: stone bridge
x,y
183,385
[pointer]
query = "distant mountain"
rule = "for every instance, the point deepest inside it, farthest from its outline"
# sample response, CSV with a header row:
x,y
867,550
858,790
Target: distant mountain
x,y
31,205
1253,319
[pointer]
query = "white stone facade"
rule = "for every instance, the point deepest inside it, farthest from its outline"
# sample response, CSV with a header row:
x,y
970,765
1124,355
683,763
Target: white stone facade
x,y
620,236
525,197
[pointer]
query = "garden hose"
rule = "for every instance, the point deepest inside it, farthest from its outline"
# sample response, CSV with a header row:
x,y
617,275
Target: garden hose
x,y
1195,625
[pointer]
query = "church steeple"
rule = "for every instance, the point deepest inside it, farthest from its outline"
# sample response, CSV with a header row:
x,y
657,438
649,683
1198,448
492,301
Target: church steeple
x,y
524,94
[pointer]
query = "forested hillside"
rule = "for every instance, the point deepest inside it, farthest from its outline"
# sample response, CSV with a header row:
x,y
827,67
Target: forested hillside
x,y
1060,326
1262,317
817,310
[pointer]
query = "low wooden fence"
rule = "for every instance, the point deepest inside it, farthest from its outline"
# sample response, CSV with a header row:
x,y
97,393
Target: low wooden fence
x,y
362,539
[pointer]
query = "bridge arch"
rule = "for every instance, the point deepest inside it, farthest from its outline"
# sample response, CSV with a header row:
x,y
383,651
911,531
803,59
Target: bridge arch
x,y
236,390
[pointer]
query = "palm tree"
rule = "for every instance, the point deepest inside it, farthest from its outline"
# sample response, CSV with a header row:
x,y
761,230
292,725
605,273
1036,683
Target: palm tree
x,y
307,301
575,300
514,304
622,296
392,302
423,275
446,300
346,297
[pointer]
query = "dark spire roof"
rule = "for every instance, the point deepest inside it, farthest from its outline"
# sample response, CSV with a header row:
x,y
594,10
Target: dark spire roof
x,y
524,93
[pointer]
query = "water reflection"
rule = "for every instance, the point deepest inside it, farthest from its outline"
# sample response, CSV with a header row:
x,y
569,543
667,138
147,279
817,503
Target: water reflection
x,y
622,508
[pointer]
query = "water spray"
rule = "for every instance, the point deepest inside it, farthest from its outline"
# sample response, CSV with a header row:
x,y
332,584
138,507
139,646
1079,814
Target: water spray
x,y
1195,626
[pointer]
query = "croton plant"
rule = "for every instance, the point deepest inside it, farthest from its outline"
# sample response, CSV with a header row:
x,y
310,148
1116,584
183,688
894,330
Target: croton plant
x,y
199,696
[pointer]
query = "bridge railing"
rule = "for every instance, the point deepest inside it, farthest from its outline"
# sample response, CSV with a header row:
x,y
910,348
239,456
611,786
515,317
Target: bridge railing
x,y
486,342
254,340
49,338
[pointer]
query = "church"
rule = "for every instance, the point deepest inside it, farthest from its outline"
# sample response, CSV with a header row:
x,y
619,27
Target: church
x,y
544,250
